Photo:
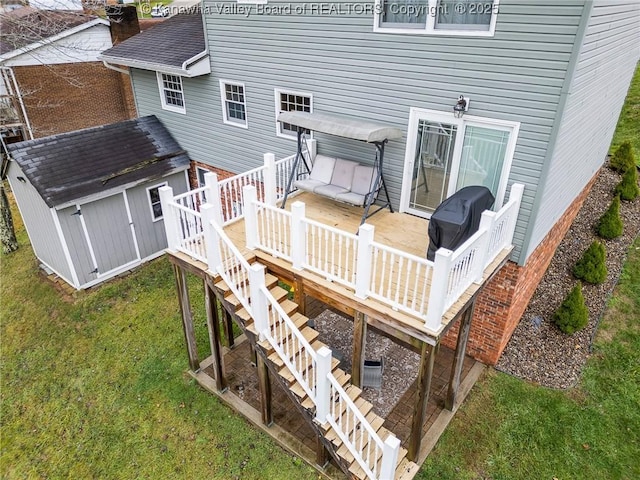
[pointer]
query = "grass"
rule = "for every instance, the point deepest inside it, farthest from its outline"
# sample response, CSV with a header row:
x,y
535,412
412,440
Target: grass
x,y
96,387
510,429
628,127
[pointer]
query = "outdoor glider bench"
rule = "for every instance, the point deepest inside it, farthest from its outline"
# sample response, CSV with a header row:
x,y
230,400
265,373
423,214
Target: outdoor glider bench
x,y
336,178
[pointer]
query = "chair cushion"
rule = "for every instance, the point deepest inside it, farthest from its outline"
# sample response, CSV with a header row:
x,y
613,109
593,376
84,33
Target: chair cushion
x,y
351,198
322,168
343,173
308,184
363,179
331,191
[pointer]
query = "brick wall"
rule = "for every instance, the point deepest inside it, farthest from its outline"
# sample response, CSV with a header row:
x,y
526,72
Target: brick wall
x,y
504,299
67,97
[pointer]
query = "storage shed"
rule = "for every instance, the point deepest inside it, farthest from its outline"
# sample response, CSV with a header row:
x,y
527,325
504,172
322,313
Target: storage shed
x,y
89,199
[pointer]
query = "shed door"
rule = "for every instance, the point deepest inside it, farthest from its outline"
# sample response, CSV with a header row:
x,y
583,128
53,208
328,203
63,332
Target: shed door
x,y
108,228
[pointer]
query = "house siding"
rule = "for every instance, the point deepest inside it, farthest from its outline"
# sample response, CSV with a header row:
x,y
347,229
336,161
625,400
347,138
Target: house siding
x,y
517,75
151,235
38,220
605,65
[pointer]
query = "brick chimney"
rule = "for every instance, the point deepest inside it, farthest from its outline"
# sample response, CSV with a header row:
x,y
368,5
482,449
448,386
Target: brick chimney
x,y
123,22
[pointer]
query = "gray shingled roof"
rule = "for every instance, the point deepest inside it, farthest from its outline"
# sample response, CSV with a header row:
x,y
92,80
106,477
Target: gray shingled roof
x,y
170,43
73,165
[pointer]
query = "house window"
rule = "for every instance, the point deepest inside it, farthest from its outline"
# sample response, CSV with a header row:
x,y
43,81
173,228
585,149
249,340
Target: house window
x,y
234,104
153,194
287,101
200,172
171,93
437,17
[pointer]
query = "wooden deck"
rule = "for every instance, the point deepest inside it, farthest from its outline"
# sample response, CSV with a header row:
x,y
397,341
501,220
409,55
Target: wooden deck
x,y
402,231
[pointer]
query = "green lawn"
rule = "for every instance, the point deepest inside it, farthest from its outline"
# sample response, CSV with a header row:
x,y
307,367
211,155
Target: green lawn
x,y
96,387
629,123
510,429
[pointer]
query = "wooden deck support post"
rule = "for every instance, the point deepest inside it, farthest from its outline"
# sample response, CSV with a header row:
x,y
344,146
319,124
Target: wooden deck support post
x,y
187,317
213,325
228,326
458,359
264,384
422,399
359,344
298,295
322,454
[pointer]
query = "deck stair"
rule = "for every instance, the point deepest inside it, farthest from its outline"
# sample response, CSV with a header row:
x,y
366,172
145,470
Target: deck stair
x,y
284,376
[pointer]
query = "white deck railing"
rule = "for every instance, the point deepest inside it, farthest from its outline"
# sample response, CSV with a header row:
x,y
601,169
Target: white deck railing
x,y
395,278
310,368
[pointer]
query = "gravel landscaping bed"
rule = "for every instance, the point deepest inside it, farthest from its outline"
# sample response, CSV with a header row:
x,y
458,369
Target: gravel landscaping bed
x,y
538,351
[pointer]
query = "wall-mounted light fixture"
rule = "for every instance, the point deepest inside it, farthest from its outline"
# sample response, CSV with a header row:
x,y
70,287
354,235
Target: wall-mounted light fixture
x,y
461,106
21,179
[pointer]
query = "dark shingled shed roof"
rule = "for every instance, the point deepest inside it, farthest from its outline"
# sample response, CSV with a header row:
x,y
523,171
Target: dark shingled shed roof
x,y
171,43
73,165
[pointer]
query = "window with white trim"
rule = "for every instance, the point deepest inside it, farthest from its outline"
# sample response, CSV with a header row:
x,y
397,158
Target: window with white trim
x,y
437,17
153,194
171,93
288,101
234,103
200,173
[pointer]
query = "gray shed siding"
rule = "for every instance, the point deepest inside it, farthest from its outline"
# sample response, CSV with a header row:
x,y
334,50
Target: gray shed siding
x,y
38,219
517,75
606,63
77,245
108,227
150,234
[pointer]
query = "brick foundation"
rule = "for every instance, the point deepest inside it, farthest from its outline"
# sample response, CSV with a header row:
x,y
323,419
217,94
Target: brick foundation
x,y
66,97
504,299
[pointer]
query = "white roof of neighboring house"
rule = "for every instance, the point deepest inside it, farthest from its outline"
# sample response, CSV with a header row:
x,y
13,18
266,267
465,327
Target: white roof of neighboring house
x,y
36,37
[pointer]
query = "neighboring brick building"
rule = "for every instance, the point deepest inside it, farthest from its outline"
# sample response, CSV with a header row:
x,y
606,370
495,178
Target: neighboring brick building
x,y
53,55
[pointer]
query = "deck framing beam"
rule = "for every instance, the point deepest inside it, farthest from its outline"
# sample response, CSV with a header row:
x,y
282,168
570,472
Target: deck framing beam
x,y
213,325
187,317
458,359
423,387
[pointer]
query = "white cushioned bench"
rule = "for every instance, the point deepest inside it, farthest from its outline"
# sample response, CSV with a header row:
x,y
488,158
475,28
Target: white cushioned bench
x,y
338,179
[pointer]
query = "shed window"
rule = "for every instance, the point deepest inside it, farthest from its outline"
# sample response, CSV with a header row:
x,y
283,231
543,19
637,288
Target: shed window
x,y
291,102
234,104
171,93
437,17
154,201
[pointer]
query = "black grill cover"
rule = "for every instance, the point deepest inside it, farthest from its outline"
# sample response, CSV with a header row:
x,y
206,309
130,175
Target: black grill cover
x,y
457,218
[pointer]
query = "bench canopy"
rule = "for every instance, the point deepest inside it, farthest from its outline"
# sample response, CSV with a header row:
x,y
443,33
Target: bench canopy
x,y
341,126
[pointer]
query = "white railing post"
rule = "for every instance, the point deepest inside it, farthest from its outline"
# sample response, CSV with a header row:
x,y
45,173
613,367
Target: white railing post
x,y
258,300
211,240
171,226
249,199
439,286
269,179
389,458
213,195
517,190
363,261
323,385
298,235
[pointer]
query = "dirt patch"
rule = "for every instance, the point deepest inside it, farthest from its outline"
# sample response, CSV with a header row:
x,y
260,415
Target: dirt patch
x,y
538,351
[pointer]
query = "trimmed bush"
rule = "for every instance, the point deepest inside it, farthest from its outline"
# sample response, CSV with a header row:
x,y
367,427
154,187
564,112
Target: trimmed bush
x,y
573,314
628,186
592,267
622,160
610,225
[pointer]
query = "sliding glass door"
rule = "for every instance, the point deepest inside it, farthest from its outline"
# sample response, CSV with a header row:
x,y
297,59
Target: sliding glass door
x,y
445,154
